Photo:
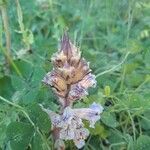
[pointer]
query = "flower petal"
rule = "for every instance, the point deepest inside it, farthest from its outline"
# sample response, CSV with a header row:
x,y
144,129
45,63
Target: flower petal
x,y
97,107
67,115
79,143
77,92
81,133
67,134
88,81
91,114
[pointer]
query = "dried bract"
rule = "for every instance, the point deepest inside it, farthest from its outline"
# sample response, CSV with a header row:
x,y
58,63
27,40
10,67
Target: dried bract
x,y
71,75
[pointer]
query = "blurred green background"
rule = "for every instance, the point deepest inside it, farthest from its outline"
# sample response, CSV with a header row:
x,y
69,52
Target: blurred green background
x,y
113,35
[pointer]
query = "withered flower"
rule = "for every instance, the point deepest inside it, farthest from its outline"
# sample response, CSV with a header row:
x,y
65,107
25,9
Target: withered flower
x,y
70,79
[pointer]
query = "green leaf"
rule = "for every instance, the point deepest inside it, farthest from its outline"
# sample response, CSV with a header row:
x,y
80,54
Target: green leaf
x,y
146,59
99,130
37,143
38,75
19,135
6,89
145,121
143,143
134,79
7,115
25,68
136,101
28,95
39,117
17,82
134,46
95,143
130,67
116,136
109,119
130,142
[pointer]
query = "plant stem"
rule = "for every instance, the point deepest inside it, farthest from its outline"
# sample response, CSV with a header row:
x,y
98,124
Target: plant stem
x,y
133,125
7,50
11,62
7,32
115,67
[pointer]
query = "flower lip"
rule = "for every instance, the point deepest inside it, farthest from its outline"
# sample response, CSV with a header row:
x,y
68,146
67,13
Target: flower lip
x,y
97,108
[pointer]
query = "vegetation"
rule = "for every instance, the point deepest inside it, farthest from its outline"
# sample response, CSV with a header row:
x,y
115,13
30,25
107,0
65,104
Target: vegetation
x,y
113,35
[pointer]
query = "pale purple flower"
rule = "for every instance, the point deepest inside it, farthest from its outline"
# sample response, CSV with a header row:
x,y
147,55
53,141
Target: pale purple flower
x,y
71,125
81,135
55,118
77,92
91,114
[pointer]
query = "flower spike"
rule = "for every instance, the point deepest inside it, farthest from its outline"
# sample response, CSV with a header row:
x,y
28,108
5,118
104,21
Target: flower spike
x,y
70,80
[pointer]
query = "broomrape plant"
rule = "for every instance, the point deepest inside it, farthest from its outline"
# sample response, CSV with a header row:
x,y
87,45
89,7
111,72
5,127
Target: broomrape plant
x,y
70,79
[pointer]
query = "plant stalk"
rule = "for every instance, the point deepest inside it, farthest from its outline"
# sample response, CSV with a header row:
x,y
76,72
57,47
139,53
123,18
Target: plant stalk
x,y
5,21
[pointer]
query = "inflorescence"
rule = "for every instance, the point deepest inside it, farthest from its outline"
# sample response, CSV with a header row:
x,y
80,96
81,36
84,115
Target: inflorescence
x,y
70,79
